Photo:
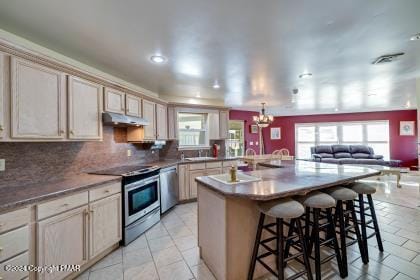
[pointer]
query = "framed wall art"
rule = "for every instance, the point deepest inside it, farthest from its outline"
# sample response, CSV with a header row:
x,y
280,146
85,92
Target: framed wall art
x,y
407,128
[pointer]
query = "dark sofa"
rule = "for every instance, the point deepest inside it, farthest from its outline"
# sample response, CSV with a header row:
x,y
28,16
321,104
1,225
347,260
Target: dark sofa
x,y
349,154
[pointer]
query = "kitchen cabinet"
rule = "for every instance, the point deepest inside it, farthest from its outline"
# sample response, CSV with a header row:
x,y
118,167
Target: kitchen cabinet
x,y
184,190
214,125
85,109
132,105
149,113
38,101
193,184
62,239
114,101
172,123
224,124
3,90
104,224
19,260
161,122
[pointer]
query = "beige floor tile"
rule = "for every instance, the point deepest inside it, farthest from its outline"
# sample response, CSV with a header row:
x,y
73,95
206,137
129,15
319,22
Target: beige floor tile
x,y
416,260
175,271
139,243
402,276
186,242
83,276
412,245
114,258
408,268
156,231
376,269
399,251
145,271
202,272
161,243
136,258
409,235
166,257
398,240
388,228
180,231
114,272
192,256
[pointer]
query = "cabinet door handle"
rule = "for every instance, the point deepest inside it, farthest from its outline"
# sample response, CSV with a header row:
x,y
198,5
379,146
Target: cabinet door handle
x,y
62,131
65,205
106,191
71,132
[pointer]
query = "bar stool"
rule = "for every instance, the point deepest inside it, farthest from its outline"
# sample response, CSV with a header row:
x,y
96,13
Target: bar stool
x,y
345,196
280,209
317,201
365,189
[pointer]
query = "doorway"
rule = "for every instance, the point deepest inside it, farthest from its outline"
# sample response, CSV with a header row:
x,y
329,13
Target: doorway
x,y
235,143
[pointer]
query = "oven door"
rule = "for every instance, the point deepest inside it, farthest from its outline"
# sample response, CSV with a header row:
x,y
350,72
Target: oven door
x,y
141,197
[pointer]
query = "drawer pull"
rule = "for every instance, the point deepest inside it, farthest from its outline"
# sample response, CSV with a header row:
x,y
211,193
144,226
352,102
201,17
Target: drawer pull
x,y
106,191
65,205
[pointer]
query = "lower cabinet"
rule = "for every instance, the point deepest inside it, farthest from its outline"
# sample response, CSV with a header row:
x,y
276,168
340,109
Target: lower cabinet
x,y
104,224
62,239
187,183
193,184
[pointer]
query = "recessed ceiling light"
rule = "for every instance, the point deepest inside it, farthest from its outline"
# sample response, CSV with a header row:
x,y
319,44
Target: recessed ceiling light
x,y
158,59
305,75
336,109
216,85
415,37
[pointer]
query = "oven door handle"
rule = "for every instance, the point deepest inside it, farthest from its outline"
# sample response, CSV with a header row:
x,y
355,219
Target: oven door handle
x,y
142,183
150,215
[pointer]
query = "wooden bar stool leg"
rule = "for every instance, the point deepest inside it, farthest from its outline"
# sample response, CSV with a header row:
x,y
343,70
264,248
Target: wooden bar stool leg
x,y
289,233
340,216
331,228
375,223
316,243
280,248
256,245
363,223
303,244
350,205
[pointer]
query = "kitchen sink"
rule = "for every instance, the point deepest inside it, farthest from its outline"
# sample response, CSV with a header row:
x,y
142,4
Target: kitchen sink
x,y
242,178
199,158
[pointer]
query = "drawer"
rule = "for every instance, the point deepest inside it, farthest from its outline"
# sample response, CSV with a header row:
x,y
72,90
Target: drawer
x,y
197,166
22,259
212,164
62,204
14,219
228,163
14,242
104,191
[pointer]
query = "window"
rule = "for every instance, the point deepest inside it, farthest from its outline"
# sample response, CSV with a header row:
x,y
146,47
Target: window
x,y
192,130
235,142
374,134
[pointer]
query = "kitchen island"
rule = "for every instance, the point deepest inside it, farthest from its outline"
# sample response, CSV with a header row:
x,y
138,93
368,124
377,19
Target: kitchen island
x,y
228,213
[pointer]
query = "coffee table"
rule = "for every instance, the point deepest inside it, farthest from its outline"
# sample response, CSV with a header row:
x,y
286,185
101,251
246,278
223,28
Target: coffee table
x,y
386,170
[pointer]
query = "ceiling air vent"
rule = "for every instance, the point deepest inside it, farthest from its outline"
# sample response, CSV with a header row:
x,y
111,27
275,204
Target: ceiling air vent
x,y
387,58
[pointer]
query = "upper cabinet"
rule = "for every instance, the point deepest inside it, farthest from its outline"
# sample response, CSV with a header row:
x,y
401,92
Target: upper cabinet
x,y
214,125
172,125
149,113
114,101
3,89
224,124
161,122
85,109
132,105
38,101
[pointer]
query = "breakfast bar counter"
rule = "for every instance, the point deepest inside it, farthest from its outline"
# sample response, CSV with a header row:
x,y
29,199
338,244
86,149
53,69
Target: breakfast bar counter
x,y
228,213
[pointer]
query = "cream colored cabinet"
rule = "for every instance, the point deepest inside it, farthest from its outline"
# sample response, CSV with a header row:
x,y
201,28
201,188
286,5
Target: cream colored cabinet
x,y
184,184
63,239
114,101
85,109
3,90
161,122
224,124
19,260
38,101
172,123
149,113
193,184
132,105
104,224
214,125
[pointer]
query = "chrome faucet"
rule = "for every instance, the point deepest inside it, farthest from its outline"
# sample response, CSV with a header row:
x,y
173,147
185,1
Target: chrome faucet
x,y
199,153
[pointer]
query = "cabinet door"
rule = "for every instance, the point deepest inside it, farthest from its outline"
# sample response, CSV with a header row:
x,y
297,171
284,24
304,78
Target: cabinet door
x,y
114,101
62,239
3,89
214,125
161,122
193,183
171,123
224,124
184,188
85,109
213,171
150,116
132,105
104,224
38,101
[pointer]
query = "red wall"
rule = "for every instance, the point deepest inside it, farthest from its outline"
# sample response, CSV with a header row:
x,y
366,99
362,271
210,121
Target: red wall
x,y
402,147
246,116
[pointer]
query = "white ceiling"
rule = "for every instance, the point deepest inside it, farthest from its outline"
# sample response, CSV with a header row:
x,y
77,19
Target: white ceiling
x,y
255,49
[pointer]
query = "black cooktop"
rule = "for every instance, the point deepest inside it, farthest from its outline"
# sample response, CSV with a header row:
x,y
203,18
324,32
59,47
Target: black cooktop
x,y
125,170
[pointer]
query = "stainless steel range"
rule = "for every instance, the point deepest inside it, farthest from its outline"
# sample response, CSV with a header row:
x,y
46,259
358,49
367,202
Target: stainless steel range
x,y
141,201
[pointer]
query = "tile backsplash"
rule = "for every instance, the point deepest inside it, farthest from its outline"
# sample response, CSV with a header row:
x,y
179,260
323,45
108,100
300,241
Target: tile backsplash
x,y
37,162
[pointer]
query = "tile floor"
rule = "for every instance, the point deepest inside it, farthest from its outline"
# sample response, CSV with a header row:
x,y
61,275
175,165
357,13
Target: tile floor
x,y
169,249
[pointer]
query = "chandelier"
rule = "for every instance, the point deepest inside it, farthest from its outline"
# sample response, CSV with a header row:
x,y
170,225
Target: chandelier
x,y
263,120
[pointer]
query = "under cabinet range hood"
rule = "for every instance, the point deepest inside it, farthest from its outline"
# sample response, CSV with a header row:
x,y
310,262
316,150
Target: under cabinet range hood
x,y
113,119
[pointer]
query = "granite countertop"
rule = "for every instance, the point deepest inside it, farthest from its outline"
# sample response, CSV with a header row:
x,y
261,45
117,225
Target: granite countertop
x,y
293,178
171,162
14,197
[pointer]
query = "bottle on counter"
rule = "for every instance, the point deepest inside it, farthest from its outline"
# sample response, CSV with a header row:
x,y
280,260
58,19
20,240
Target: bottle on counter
x,y
233,172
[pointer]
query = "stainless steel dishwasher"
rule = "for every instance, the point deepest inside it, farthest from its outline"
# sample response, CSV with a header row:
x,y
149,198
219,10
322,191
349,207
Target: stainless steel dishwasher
x,y
168,188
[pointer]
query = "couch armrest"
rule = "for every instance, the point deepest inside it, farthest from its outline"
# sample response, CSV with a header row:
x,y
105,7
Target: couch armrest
x,y
377,157
317,157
